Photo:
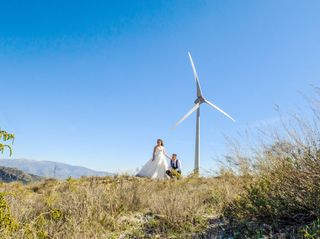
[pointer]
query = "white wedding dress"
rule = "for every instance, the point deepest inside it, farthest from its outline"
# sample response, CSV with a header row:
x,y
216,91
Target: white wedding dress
x,y
155,168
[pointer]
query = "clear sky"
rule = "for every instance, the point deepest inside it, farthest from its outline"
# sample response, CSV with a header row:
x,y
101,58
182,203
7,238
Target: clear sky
x,y
95,83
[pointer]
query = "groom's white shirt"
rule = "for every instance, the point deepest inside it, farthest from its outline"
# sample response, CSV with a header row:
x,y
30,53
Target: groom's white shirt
x,y
176,162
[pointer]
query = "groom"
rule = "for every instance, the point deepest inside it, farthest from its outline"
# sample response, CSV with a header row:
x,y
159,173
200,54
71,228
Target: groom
x,y
175,167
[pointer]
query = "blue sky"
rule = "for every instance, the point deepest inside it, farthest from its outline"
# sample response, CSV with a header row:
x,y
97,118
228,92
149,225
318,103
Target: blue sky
x,y
95,83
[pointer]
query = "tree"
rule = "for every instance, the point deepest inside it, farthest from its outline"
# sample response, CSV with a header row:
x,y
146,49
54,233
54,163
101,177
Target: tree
x,y
4,138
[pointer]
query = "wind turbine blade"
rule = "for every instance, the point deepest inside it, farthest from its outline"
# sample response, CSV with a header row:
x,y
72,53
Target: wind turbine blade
x,y
194,108
199,92
217,108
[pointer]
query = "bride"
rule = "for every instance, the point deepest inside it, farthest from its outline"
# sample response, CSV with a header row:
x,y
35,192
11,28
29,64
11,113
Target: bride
x,y
157,166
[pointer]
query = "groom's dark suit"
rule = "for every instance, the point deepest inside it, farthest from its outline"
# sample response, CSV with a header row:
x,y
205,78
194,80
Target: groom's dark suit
x,y
174,169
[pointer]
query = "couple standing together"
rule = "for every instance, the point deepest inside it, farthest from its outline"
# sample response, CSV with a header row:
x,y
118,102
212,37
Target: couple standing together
x,y
158,166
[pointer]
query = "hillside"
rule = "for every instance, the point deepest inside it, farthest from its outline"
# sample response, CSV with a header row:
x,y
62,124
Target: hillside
x,y
113,207
15,175
50,169
129,207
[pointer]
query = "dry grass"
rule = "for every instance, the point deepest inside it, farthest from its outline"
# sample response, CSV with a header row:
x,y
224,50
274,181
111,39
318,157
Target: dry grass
x,y
284,195
115,207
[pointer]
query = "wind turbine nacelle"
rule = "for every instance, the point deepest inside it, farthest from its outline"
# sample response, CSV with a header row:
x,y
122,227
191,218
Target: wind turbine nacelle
x,y
200,100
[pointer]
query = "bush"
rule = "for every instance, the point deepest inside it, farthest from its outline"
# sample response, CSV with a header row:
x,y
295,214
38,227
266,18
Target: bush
x,y
8,224
311,231
285,191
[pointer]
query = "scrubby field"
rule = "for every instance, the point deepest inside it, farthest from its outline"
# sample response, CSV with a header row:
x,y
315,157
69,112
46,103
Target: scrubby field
x,y
282,200
114,207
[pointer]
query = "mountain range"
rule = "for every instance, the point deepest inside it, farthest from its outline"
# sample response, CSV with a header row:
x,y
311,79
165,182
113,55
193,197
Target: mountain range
x,y
8,175
49,169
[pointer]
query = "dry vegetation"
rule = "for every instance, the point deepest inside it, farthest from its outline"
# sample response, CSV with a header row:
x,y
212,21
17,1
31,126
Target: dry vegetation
x,y
114,207
283,199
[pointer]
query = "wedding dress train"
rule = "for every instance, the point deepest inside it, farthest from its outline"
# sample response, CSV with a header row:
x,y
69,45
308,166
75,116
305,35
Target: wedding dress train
x,y
155,168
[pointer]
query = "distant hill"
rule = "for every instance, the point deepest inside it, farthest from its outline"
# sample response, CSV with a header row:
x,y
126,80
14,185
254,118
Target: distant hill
x,y
12,175
50,169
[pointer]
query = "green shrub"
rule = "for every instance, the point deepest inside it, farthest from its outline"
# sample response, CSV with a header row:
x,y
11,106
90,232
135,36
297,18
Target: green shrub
x,y
311,231
7,223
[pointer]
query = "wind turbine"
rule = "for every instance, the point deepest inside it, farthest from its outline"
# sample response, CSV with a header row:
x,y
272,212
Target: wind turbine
x,y
199,100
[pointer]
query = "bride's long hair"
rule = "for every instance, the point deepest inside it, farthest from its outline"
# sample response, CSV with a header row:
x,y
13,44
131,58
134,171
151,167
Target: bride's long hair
x,y
160,141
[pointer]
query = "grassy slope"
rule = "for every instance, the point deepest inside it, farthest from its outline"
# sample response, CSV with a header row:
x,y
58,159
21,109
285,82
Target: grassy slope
x,y
284,196
115,207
